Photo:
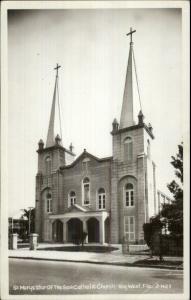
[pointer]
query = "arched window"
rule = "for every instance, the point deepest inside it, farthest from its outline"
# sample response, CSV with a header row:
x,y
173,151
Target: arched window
x,y
85,163
129,195
101,198
48,165
128,148
86,191
72,198
49,202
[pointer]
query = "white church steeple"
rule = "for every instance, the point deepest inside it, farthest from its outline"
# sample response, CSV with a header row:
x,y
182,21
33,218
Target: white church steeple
x,y
127,118
51,129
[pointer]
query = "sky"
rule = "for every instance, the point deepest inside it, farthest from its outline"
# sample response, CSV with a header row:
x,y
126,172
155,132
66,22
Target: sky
x,y
92,47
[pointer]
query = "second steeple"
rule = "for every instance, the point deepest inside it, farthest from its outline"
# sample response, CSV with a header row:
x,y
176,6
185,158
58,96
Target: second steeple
x,y
51,129
127,119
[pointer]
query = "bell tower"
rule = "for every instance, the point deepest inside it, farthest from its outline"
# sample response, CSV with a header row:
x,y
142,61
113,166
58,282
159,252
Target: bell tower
x,y
58,155
133,171
48,179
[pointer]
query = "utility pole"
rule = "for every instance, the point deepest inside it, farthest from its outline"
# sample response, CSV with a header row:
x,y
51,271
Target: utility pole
x,y
30,207
12,223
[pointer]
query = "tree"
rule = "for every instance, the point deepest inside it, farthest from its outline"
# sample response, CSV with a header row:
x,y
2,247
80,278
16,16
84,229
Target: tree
x,y
29,214
147,228
173,212
152,236
171,215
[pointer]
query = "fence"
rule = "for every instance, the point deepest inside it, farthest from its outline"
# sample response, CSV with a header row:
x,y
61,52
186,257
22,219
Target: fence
x,y
172,245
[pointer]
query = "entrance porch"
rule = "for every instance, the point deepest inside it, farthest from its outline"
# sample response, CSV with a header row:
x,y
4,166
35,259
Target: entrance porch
x,y
65,227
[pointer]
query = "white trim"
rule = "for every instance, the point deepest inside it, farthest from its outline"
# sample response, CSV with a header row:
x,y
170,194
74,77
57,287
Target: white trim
x,y
80,214
86,159
69,198
48,205
124,196
82,184
79,207
125,138
97,200
48,201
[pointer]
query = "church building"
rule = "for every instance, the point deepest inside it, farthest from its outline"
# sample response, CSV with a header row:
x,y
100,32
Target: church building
x,y
110,198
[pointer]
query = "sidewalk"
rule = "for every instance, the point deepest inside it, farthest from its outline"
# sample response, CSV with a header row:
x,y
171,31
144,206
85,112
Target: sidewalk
x,y
112,258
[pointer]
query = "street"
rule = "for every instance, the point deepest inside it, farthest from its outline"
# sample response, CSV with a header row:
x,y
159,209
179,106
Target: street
x,y
49,277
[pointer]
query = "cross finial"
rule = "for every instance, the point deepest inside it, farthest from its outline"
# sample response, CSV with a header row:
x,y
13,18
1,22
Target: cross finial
x,y
131,33
57,67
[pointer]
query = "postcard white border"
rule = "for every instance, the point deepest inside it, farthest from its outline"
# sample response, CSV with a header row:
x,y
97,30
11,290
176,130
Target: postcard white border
x,y
184,5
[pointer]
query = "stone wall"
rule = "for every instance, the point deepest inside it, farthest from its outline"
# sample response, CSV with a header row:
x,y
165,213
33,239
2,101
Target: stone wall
x,y
112,174
99,174
136,171
61,182
45,182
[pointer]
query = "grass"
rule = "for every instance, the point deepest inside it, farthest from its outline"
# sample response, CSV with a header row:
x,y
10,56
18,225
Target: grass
x,y
85,248
22,245
155,261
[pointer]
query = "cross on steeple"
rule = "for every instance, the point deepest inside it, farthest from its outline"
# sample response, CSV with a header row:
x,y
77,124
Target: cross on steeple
x,y
127,115
57,67
127,112
51,134
131,33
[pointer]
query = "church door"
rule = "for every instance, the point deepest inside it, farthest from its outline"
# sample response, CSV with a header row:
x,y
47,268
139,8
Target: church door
x,y
57,231
75,230
93,230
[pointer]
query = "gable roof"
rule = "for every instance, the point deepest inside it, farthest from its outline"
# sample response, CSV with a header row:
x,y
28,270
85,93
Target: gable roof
x,y
85,154
76,208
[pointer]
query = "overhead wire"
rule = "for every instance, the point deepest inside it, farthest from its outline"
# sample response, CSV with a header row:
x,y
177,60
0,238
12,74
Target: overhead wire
x,y
60,122
137,80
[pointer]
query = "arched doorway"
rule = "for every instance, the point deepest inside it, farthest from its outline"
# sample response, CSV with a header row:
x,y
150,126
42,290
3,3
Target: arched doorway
x,y
93,230
57,231
75,229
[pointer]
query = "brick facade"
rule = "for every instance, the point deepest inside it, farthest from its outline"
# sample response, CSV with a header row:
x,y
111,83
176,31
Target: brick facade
x,y
112,174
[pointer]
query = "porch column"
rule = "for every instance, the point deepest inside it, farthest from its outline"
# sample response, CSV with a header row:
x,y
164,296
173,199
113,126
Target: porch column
x,y
53,231
85,229
102,230
64,231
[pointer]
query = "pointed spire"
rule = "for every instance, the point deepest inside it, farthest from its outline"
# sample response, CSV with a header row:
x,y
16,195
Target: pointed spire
x,y
51,134
127,106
